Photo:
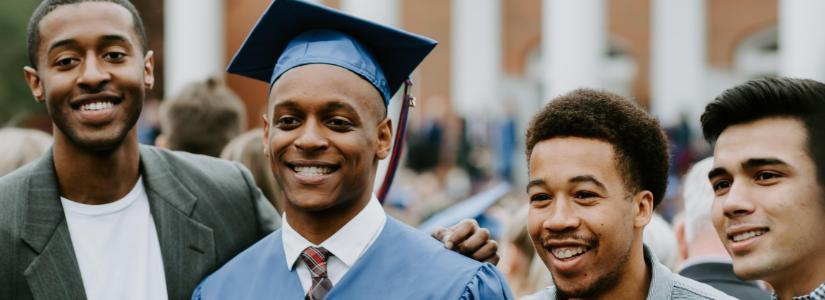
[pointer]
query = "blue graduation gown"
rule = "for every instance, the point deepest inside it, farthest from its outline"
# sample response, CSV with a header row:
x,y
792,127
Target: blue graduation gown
x,y
402,263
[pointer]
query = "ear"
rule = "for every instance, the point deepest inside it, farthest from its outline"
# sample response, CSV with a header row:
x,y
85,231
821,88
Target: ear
x,y
266,134
149,70
384,142
643,208
34,82
681,241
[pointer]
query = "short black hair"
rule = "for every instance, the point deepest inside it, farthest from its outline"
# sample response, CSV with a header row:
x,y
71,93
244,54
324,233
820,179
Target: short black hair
x,y
802,99
47,6
638,140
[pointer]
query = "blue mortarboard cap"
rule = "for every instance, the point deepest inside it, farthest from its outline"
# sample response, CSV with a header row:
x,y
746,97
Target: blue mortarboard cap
x,y
293,33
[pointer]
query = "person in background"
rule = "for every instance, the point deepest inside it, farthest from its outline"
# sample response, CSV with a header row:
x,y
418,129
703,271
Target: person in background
x,y
248,150
598,166
21,146
519,260
201,119
704,258
660,238
767,177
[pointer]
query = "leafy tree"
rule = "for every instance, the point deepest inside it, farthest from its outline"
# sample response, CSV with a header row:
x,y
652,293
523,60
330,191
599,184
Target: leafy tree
x,y
16,102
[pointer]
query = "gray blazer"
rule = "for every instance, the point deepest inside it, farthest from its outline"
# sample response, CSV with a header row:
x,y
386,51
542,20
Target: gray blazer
x,y
205,210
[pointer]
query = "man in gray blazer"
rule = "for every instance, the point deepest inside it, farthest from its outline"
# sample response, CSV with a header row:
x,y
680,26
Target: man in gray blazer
x,y
204,210
100,216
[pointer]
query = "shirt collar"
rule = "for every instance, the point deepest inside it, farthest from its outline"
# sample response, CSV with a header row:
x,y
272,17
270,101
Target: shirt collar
x,y
661,279
347,244
817,294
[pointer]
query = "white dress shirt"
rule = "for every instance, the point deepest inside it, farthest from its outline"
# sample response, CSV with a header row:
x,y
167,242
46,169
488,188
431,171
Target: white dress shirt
x,y
346,245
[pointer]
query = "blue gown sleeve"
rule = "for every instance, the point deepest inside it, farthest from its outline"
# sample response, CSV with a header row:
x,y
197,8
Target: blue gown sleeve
x,y
488,283
196,295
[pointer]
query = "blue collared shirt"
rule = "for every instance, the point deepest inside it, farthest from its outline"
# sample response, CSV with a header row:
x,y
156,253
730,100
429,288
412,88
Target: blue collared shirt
x,y
664,284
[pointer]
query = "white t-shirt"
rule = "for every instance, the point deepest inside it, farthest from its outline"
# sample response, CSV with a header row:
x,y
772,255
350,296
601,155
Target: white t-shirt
x,y
117,247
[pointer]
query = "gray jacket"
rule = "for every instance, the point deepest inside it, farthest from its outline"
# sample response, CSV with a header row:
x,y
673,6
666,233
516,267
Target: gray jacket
x,y
664,284
205,211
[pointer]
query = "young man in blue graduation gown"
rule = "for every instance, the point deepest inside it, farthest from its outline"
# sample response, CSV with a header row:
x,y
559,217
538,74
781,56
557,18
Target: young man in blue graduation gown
x,y
331,76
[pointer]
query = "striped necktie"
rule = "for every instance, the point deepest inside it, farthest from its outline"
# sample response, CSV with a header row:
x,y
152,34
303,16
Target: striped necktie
x,y
316,260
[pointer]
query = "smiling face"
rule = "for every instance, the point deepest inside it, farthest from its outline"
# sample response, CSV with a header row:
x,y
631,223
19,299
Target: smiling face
x,y
585,224
768,209
92,74
324,137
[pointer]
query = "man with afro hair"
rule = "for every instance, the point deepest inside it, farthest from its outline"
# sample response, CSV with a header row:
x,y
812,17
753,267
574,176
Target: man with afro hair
x,y
597,168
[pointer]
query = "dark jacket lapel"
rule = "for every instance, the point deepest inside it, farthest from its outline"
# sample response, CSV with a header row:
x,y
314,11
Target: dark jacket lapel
x,y
187,246
54,273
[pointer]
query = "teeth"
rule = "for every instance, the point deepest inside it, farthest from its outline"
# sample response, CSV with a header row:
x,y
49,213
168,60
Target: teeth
x,y
312,170
568,252
747,235
97,106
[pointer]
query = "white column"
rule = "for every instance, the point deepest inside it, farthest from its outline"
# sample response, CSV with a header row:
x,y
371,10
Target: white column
x,y
476,56
193,42
802,39
381,11
573,44
678,66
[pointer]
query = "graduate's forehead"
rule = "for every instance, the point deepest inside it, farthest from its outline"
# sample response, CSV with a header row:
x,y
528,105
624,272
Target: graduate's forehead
x,y
327,86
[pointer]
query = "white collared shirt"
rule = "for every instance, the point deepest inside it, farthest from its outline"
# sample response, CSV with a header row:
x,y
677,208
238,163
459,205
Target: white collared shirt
x,y
346,245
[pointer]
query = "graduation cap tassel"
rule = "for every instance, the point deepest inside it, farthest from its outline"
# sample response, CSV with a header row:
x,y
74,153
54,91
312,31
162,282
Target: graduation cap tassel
x,y
398,143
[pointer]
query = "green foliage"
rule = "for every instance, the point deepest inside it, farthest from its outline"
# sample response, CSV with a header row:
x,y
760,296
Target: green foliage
x,y
16,101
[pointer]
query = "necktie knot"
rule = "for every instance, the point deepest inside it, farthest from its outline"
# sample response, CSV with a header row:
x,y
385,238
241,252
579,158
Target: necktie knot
x,y
316,260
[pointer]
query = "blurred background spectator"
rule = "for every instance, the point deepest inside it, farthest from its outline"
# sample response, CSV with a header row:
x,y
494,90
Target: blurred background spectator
x,y
247,149
660,239
21,146
201,119
518,258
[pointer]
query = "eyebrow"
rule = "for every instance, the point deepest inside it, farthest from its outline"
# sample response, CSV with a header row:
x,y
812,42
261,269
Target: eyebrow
x,y
338,105
748,165
718,171
106,38
114,38
289,104
586,179
576,179
61,43
534,182
330,107
755,163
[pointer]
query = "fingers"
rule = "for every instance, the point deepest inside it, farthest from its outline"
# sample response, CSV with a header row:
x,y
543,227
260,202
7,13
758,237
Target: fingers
x,y
487,253
472,243
461,232
469,239
440,233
